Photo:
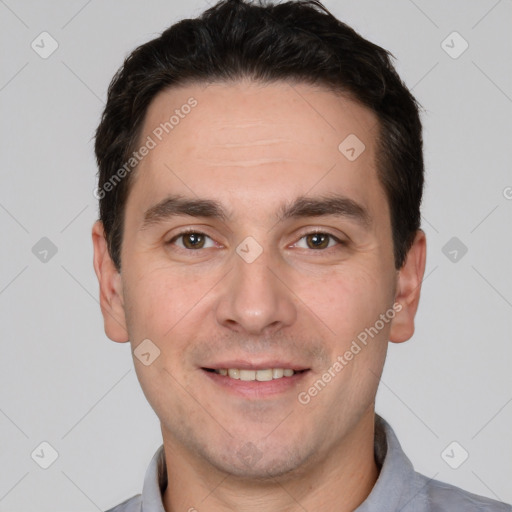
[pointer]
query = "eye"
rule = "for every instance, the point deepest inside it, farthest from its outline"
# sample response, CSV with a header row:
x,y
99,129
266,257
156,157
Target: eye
x,y
191,240
319,240
195,240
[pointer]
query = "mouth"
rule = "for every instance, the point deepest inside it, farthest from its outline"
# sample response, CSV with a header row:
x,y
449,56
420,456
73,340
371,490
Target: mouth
x,y
256,381
248,375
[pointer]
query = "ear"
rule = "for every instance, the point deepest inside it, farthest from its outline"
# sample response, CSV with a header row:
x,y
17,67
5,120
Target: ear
x,y
111,292
410,277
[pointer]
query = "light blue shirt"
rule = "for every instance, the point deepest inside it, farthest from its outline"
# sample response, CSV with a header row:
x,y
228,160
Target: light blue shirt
x,y
398,487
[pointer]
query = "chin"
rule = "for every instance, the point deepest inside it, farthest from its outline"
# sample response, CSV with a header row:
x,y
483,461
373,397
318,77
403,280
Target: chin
x,y
264,463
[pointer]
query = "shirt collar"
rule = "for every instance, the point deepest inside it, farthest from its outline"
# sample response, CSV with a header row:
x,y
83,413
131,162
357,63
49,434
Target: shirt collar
x,y
155,483
396,472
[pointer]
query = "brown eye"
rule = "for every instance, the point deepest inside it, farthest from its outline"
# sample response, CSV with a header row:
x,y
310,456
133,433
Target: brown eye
x,y
191,240
318,240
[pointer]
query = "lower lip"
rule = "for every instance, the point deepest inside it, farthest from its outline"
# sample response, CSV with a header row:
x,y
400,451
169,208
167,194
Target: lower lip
x,y
255,388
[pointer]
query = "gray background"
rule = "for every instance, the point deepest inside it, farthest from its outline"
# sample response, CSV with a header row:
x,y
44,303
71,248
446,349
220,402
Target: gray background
x,y
62,381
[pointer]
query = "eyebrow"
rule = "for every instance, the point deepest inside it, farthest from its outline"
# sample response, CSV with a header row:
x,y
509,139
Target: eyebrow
x,y
325,205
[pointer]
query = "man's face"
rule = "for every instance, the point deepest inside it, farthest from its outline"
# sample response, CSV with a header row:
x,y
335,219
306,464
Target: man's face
x,y
258,290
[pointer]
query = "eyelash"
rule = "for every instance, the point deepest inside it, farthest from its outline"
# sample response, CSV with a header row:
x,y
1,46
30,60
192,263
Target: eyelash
x,y
317,232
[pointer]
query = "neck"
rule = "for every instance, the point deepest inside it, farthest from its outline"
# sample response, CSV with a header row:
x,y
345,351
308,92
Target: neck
x,y
337,481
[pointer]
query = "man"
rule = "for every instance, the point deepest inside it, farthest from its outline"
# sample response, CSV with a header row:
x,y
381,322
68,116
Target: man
x,y
259,243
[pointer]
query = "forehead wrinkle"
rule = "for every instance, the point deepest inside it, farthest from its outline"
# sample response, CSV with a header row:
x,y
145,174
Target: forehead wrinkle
x,y
246,163
257,142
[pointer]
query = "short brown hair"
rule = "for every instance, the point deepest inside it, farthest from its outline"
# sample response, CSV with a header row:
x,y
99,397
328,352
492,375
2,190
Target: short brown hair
x,y
299,41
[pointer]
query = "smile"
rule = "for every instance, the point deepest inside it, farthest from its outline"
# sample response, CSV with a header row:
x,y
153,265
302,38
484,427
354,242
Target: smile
x,y
256,382
259,375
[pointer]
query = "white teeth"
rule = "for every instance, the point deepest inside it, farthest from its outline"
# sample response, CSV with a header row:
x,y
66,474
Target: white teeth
x,y
247,374
233,373
259,375
264,375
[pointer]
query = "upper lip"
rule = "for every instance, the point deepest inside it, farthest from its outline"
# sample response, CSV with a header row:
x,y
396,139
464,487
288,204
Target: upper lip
x,y
243,364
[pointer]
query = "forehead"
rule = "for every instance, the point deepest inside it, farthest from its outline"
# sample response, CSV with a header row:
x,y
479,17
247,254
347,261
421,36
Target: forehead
x,y
236,112
256,142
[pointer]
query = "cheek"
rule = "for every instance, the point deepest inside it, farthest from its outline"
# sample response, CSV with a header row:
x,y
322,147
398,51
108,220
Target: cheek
x,y
161,305
147,297
349,299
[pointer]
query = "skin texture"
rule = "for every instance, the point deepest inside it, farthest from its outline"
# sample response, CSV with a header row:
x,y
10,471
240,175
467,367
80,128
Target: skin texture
x,y
254,147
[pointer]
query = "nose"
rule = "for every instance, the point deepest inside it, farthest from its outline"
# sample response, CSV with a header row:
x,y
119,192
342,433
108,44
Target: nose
x,y
255,298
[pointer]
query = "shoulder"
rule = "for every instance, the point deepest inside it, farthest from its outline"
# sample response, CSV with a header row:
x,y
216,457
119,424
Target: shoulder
x,y
440,496
414,492
133,504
